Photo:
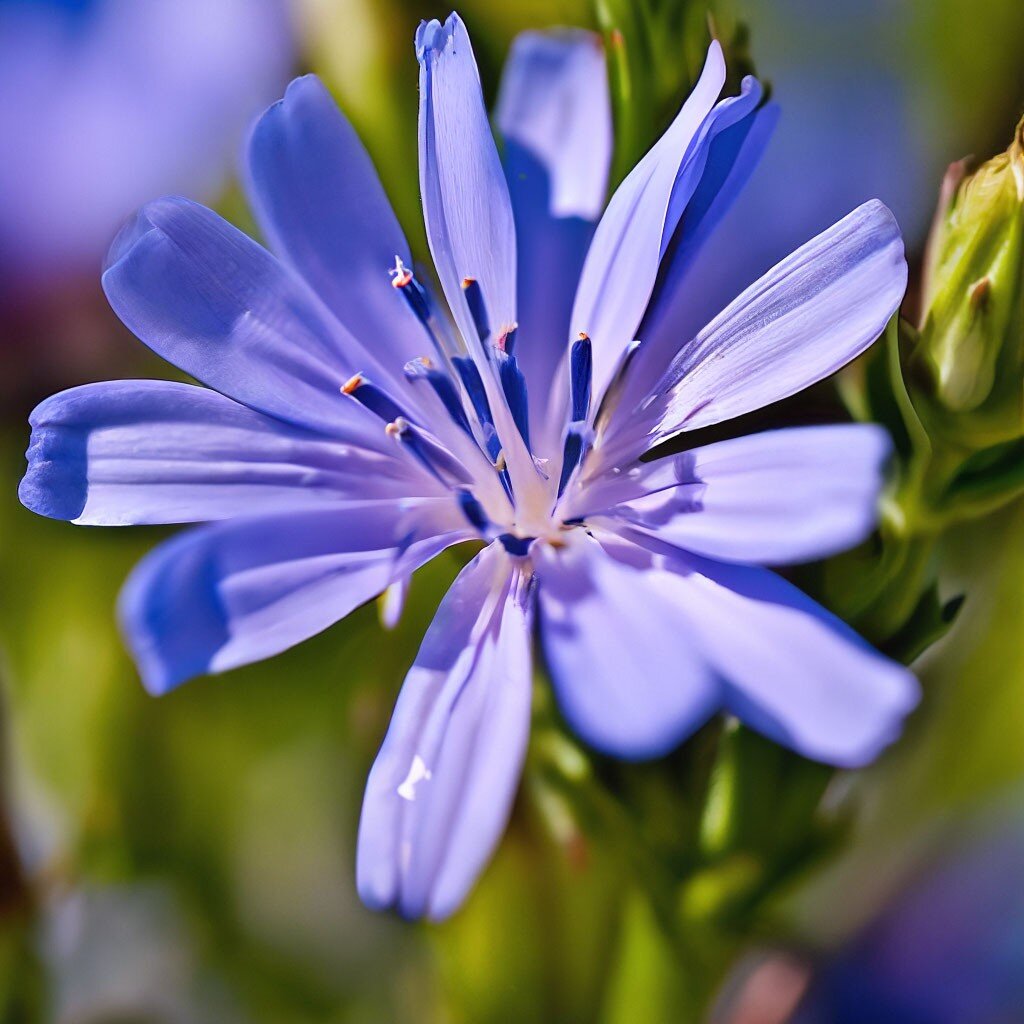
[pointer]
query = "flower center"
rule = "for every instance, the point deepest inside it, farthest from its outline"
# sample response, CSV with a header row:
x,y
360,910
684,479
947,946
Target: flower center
x,y
472,430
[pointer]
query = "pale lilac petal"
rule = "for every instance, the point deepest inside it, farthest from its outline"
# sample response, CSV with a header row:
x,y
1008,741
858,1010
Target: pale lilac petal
x,y
213,302
468,216
150,451
554,113
321,206
629,676
681,305
774,498
440,792
466,203
235,592
789,668
805,319
622,265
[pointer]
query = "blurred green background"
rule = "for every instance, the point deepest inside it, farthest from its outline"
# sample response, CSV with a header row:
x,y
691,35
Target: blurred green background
x,y
191,858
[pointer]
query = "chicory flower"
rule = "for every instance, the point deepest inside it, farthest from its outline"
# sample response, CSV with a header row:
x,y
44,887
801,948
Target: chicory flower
x,y
348,433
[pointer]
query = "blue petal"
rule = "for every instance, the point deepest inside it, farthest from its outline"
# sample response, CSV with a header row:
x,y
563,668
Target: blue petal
x,y
232,593
774,498
466,203
805,319
210,300
622,266
794,671
554,113
440,792
681,305
152,451
468,217
319,202
628,676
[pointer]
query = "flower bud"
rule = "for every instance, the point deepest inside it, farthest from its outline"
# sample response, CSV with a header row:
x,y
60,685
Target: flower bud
x,y
972,331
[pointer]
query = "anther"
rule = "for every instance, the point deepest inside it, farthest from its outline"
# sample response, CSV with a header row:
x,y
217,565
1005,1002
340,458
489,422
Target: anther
x,y
477,307
403,281
439,462
443,386
507,340
372,397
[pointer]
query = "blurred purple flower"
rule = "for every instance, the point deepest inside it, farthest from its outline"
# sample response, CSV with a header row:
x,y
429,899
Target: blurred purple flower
x,y
948,950
645,578
108,102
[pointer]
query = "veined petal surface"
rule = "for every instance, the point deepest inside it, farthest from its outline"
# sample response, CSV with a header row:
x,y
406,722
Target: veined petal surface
x,y
805,319
232,593
775,498
320,204
795,672
466,203
787,667
440,792
628,675
622,265
135,452
211,301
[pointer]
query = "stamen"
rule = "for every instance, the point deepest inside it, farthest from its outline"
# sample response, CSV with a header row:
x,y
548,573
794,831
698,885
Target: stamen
x,y
477,307
513,383
372,397
444,388
572,454
613,392
474,385
507,340
439,462
474,512
403,281
581,367
517,546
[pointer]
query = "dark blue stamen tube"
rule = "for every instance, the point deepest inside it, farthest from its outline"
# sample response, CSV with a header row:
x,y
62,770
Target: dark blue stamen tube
x,y
513,383
373,398
415,296
444,388
474,512
518,546
436,459
474,385
571,456
477,307
507,342
581,370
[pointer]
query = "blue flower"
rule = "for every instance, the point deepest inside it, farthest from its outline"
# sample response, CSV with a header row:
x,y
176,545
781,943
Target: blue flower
x,y
109,102
947,949
349,433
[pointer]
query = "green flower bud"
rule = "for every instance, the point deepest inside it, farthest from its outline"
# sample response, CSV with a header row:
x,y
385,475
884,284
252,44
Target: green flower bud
x,y
972,331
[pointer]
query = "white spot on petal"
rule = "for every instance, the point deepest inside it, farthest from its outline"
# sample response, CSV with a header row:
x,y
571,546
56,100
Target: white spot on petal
x,y
418,772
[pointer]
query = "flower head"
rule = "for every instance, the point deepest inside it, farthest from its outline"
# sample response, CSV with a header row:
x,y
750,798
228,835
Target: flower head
x,y
350,432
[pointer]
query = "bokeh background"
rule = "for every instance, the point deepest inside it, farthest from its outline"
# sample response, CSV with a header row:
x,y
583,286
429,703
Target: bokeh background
x,y
190,859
